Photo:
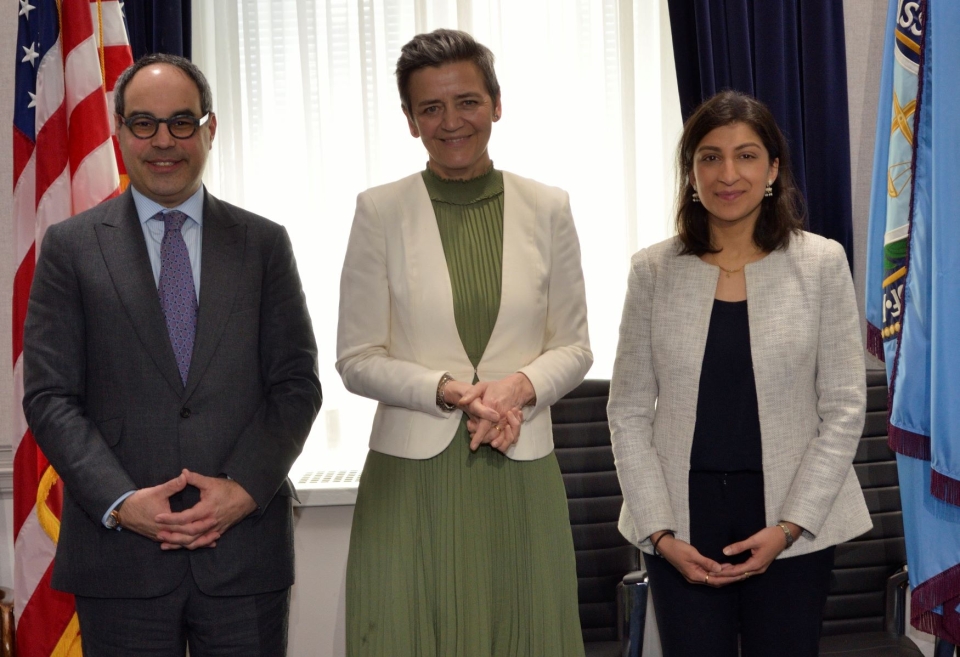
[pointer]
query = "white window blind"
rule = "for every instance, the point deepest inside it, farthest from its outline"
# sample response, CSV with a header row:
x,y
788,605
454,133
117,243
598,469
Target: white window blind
x,y
309,116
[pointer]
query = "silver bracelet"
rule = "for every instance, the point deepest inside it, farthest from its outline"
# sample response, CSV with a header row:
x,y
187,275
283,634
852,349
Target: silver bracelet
x,y
441,402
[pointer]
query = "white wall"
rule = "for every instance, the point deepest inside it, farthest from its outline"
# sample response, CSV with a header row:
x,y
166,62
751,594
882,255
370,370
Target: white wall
x,y
317,610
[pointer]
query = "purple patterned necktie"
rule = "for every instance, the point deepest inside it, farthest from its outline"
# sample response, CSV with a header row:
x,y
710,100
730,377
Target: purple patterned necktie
x,y
178,296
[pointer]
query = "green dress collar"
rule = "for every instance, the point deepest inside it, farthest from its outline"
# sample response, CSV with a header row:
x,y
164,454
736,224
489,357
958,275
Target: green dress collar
x,y
463,192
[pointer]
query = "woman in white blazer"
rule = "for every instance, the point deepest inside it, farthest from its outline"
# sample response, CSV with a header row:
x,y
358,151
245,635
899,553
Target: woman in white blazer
x,y
737,399
462,312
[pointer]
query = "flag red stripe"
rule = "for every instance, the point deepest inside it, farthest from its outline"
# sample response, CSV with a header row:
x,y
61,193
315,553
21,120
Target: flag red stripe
x,y
43,620
21,295
25,478
115,60
51,154
94,132
22,150
78,28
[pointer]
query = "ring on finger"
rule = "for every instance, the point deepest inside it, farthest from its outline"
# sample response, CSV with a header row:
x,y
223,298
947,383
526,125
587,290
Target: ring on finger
x,y
747,574
706,579
499,428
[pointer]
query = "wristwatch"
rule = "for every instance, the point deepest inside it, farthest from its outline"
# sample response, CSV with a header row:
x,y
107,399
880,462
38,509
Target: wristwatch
x,y
113,520
786,534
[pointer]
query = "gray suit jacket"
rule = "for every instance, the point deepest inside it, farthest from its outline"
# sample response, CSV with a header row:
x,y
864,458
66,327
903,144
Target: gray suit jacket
x,y
104,399
808,363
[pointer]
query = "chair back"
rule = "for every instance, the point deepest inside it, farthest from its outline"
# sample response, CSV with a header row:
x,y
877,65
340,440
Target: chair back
x,y
857,599
582,443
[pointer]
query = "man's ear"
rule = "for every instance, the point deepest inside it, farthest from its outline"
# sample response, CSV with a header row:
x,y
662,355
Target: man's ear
x,y
212,126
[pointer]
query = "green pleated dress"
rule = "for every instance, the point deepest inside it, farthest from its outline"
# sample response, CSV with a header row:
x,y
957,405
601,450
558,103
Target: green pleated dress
x,y
466,554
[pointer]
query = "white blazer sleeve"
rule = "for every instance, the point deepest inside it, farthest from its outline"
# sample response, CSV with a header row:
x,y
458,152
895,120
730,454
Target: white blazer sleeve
x,y
363,332
566,356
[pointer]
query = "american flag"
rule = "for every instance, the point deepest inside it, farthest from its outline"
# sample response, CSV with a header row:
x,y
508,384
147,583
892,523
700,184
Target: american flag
x,y
69,54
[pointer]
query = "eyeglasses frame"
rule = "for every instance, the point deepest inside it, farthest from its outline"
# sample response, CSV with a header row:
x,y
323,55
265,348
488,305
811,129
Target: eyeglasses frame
x,y
197,123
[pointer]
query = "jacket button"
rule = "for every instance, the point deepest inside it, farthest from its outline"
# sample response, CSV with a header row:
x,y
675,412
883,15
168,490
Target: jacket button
x,y
184,412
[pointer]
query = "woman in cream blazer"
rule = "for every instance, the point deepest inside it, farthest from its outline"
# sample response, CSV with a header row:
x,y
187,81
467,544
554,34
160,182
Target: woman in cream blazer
x,y
462,313
803,351
397,335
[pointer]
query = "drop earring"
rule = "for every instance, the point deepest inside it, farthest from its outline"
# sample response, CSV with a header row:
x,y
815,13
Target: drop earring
x,y
768,192
696,197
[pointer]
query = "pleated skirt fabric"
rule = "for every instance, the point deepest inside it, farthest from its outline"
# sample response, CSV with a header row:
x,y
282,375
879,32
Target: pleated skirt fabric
x,y
462,555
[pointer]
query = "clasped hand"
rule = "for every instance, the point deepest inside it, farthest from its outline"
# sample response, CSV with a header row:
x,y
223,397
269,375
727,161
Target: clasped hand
x,y
223,503
764,546
493,409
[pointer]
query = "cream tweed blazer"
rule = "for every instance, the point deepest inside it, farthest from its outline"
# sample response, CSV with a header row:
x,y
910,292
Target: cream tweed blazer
x,y
808,363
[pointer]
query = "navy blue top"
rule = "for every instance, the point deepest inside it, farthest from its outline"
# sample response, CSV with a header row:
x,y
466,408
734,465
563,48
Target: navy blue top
x,y
727,434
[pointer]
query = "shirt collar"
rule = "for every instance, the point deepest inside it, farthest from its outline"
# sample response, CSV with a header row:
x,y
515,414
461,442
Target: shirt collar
x,y
148,208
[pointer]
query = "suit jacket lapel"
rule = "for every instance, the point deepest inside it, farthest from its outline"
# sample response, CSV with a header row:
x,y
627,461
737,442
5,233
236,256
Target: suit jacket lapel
x,y
221,262
125,253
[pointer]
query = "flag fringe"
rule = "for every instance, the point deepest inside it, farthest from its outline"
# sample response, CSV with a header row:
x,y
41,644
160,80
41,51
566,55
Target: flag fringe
x,y
48,519
941,590
875,342
933,623
944,487
69,644
908,443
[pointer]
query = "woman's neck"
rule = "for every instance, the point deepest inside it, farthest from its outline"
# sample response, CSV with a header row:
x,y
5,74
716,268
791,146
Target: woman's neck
x,y
733,239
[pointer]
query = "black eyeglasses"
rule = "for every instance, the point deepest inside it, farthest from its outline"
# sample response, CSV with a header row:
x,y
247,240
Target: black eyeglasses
x,y
181,126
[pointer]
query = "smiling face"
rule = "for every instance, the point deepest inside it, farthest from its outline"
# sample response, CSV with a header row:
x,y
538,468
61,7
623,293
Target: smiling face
x,y
452,113
162,168
731,169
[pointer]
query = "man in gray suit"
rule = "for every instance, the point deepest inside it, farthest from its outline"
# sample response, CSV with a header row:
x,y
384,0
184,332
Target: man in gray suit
x,y
170,376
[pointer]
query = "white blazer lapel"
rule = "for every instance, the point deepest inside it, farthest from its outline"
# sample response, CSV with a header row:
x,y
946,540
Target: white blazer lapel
x,y
519,273
429,278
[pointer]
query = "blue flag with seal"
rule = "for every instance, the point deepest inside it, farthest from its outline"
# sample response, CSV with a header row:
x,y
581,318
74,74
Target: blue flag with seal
x,y
913,292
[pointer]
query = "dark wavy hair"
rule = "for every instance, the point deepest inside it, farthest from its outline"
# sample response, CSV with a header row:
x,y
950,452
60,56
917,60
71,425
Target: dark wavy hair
x,y
781,215
444,47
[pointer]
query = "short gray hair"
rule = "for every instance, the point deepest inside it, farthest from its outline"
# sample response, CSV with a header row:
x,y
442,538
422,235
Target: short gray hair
x,y
184,64
444,47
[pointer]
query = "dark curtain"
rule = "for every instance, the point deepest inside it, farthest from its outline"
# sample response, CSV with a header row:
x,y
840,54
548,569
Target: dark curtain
x,y
791,55
158,26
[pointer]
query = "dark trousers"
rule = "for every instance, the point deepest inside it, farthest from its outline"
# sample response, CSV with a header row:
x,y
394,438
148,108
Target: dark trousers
x,y
776,613
235,626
